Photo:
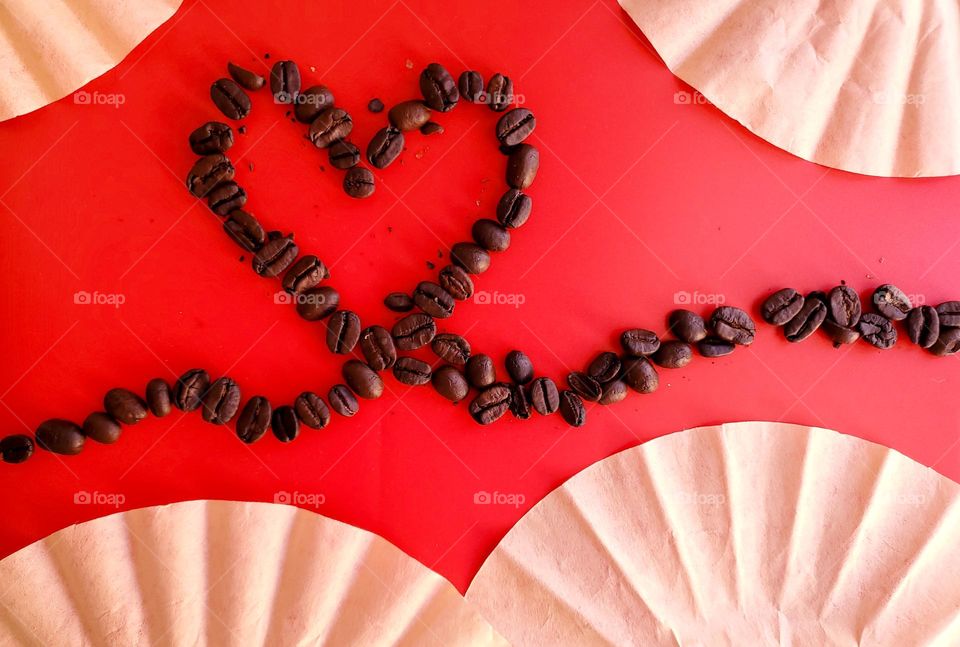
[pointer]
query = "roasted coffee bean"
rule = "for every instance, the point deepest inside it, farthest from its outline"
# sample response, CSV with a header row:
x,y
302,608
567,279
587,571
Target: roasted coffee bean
x,y
245,230
450,383
284,81
221,401
614,392
60,437
585,386
275,256
285,424
470,85
411,371
16,449
385,147
190,388
311,102
877,330
544,396
513,209
491,404
362,379
604,368
687,326
838,334
522,166
212,137
806,321
948,343
640,375
431,128
159,397
409,115
414,331
207,173
891,302
733,325
519,367
359,182
101,427
125,405
399,302
331,125
499,92
343,154
230,99
715,347
490,235
245,78
456,282
639,342
572,410
343,332
471,257
438,88
306,273
433,299
317,303
254,419
519,403
481,371
375,106
843,306
949,314
673,354
923,326
451,348
312,410
342,401
781,306
515,126
377,347
226,197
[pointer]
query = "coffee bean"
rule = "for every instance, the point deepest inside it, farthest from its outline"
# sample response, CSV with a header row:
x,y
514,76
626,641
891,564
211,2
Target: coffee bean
x,y
639,342
343,332
101,427
450,383
208,172
342,401
158,397
891,302
715,347
838,334
125,405
375,106
284,81
490,235
673,354
519,367
499,92
317,303
212,137
414,331
377,347
431,128
221,401
451,348
513,209
245,230
470,85
687,326
409,115
571,408
331,125
522,166
359,182
614,392
343,154
307,272
481,371
877,330
456,282
640,375
254,419
491,404
733,325
226,197
781,306
311,102
245,78
362,379
411,371
515,126
438,88
604,368
16,449
398,302
275,256
60,437
843,306
806,321
949,314
585,386
312,410
189,390
433,299
948,343
519,403
471,257
923,326
544,396
285,424
230,99
385,147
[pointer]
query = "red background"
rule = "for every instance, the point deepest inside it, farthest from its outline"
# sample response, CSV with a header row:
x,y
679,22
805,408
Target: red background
x,y
639,197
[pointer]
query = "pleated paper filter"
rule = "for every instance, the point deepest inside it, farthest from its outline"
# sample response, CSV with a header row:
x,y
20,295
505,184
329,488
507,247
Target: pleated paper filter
x,y
226,573
750,534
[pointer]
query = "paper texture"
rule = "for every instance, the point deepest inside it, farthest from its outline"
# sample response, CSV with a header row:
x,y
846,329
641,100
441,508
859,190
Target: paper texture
x,y
869,87
50,48
226,573
757,534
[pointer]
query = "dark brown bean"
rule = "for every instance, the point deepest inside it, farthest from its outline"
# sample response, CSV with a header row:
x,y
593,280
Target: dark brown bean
x,y
519,367
342,401
60,437
604,368
490,235
409,115
544,396
414,331
451,348
481,371
411,371
226,197
385,147
398,302
948,343
639,342
343,154
317,303
733,325
687,326
450,383
189,390
470,85
806,321
158,397
359,182
247,79
715,347
781,306
254,419
221,401
285,424
207,172
377,347
307,272
519,402
673,354
585,386
438,88
312,410
311,102
923,326
101,427
343,332
949,314
522,166
16,449
471,257
456,282
284,81
362,379
433,300
230,99
513,209
838,334
244,229
572,410
614,392
125,406
491,404
877,330
891,302
275,256
843,306
212,137
330,126
640,375
499,92
515,126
